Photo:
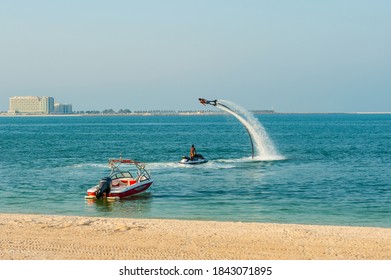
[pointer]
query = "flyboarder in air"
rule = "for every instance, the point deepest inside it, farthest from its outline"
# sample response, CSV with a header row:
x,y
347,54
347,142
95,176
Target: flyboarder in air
x,y
203,101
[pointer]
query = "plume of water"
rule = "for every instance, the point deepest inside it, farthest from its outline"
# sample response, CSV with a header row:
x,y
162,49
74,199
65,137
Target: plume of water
x,y
263,146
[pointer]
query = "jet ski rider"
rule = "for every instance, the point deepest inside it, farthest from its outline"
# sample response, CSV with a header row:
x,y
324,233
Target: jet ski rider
x,y
192,152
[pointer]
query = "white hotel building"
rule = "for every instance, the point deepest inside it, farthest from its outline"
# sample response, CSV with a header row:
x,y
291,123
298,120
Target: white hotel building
x,y
60,108
34,105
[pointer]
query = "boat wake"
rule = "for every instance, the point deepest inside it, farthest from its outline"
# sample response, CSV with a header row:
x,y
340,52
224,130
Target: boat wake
x,y
89,165
210,165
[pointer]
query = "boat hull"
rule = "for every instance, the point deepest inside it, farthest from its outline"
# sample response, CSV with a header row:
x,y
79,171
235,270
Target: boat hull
x,y
123,192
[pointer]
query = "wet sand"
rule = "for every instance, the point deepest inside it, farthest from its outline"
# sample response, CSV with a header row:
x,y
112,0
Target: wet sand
x,y
44,237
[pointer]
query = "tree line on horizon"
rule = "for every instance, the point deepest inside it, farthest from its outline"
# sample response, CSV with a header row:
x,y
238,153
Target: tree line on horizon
x,y
127,111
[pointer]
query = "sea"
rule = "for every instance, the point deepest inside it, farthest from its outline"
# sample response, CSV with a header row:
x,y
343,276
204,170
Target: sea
x,y
325,169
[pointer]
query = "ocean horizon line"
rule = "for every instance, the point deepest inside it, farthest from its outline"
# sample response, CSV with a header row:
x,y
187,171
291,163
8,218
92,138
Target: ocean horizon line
x,y
188,113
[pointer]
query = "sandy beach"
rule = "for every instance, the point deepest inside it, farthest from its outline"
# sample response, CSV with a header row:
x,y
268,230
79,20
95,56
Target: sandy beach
x,y
41,237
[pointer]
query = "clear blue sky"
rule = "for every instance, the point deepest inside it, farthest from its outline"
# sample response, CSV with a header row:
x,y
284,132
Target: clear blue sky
x,y
294,56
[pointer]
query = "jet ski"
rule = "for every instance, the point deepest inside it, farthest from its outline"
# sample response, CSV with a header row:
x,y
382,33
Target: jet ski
x,y
197,159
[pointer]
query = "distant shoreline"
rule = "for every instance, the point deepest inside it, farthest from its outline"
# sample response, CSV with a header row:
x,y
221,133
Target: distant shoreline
x,y
190,113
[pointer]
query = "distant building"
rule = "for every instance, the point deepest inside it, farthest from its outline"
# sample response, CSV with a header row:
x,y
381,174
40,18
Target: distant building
x,y
35,105
31,105
60,108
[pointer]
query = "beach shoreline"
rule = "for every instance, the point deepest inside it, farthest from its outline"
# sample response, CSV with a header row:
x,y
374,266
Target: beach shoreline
x,y
46,237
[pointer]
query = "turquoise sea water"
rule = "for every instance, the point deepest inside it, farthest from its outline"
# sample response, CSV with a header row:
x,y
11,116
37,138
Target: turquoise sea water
x,y
335,169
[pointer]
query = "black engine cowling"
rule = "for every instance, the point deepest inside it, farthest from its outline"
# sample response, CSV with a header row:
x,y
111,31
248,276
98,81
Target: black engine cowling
x,y
104,187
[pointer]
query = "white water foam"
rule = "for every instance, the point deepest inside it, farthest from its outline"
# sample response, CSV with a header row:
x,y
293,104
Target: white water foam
x,y
158,166
263,146
88,165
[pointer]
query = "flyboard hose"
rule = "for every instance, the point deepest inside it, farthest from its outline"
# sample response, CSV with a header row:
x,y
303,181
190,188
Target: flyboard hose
x,y
217,104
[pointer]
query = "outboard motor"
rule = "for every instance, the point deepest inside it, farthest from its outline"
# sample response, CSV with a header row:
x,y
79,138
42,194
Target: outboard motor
x,y
104,187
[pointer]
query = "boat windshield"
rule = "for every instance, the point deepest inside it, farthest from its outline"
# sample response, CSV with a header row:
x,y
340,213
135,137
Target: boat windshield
x,y
120,175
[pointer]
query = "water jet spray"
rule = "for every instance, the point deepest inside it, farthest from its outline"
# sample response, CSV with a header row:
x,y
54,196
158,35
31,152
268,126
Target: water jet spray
x,y
258,136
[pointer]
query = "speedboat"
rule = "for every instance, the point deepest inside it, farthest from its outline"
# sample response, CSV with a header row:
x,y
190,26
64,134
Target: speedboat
x,y
197,159
121,183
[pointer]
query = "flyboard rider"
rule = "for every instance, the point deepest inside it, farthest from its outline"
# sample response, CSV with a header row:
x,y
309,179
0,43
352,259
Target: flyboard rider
x,y
203,101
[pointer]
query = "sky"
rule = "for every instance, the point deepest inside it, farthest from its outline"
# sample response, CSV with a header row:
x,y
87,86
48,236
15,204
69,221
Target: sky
x,y
290,56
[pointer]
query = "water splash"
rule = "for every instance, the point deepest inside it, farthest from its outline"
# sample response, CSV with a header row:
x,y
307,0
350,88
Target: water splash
x,y
262,144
